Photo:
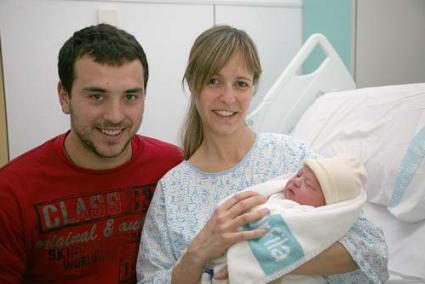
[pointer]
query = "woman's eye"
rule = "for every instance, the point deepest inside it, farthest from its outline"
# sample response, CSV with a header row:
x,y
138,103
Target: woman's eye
x,y
213,81
242,84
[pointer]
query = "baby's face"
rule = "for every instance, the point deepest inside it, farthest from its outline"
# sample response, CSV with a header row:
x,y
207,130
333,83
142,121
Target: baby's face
x,y
304,188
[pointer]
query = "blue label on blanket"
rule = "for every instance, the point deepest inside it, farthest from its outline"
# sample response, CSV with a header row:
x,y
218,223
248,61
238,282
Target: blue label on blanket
x,y
278,248
410,164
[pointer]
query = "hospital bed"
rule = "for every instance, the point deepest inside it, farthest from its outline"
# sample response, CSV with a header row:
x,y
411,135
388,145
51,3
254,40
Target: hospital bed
x,y
384,126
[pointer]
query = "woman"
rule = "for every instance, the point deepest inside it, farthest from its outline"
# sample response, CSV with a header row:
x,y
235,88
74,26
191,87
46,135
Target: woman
x,y
183,229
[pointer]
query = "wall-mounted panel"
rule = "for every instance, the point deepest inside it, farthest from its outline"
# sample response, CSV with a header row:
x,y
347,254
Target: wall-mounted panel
x,y
4,149
390,42
166,30
334,19
30,50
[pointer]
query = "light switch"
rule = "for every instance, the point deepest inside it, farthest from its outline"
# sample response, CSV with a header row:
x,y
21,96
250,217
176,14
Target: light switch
x,y
107,16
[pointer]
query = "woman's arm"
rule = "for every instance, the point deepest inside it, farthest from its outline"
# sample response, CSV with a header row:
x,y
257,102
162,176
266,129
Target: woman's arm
x,y
155,259
361,255
220,232
334,260
366,244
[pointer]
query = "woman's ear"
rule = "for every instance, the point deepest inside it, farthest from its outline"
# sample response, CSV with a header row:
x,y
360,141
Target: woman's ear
x,y
189,84
254,89
64,98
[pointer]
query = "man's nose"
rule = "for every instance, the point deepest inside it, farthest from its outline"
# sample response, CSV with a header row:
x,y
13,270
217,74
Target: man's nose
x,y
114,111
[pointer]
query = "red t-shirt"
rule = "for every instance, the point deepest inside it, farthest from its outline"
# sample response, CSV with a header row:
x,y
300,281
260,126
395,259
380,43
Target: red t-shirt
x,y
64,224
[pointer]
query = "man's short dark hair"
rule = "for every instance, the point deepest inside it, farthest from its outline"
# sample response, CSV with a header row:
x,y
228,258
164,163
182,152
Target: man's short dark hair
x,y
106,44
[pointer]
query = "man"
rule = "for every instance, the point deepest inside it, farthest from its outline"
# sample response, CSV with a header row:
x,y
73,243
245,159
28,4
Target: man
x,y
72,209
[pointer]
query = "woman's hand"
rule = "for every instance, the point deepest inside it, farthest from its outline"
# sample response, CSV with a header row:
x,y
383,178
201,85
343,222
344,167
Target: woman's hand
x,y
221,231
222,275
223,228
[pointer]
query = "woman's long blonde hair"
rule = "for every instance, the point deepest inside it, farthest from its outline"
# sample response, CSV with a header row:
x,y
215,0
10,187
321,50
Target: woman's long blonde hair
x,y
209,54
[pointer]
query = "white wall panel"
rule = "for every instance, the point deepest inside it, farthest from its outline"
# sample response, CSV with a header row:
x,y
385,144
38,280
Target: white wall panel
x,y
32,32
390,42
167,32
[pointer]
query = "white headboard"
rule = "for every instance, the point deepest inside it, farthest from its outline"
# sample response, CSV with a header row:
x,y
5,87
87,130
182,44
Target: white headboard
x,y
293,93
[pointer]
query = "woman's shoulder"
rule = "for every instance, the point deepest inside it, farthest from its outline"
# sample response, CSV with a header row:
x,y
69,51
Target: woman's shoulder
x,y
179,170
282,141
272,136
180,176
287,153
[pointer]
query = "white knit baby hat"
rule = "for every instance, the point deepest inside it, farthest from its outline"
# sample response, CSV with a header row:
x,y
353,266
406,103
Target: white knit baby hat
x,y
341,177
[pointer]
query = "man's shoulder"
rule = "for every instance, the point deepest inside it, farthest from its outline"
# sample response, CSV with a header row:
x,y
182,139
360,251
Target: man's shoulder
x,y
33,160
157,148
154,142
149,143
36,154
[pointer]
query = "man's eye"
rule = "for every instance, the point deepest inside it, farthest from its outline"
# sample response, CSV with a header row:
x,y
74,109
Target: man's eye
x,y
96,97
130,98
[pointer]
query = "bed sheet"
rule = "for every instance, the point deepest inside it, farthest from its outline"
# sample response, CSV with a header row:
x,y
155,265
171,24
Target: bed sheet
x,y
405,242
377,124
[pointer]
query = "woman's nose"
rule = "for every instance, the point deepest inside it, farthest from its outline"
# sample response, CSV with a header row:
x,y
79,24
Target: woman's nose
x,y
227,94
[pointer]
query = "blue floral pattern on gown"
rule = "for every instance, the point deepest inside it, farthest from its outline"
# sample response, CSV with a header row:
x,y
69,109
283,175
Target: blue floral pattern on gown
x,y
186,197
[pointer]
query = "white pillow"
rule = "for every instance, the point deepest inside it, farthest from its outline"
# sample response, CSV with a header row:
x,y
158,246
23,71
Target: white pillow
x,y
378,125
408,199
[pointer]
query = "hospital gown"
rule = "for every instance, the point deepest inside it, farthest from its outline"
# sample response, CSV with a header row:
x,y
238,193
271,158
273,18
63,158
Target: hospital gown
x,y
186,197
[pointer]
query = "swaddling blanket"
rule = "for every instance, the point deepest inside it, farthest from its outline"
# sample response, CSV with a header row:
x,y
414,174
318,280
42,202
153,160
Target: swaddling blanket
x,y
295,234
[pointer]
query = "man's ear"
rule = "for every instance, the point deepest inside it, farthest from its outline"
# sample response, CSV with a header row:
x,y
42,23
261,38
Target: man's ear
x,y
64,98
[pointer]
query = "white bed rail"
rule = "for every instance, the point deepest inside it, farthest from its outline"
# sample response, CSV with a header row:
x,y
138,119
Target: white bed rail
x,y
292,93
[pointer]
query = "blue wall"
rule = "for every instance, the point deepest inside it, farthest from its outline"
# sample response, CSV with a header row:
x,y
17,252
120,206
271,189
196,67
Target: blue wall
x,y
334,19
